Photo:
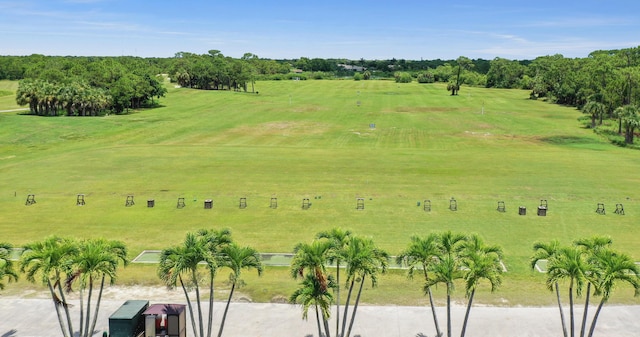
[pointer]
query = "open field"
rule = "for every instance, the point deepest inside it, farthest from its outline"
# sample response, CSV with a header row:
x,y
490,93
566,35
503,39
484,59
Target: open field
x,y
311,139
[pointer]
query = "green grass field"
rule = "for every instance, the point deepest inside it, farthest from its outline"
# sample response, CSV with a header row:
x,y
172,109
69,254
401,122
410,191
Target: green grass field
x,y
311,139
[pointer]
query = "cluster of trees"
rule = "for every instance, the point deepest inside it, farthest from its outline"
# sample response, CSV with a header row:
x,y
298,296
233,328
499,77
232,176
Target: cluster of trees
x,y
215,71
195,263
87,86
441,258
361,259
62,264
589,261
444,258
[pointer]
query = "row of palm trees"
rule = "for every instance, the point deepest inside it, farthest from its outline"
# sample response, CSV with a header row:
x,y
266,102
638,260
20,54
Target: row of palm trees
x,y
446,259
628,117
589,261
195,263
49,99
440,259
361,259
63,264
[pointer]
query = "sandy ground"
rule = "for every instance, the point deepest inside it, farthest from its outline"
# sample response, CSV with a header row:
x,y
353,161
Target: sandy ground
x,y
32,315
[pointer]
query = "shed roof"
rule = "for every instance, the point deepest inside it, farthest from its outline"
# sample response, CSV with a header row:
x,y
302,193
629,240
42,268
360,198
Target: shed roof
x,y
130,309
169,309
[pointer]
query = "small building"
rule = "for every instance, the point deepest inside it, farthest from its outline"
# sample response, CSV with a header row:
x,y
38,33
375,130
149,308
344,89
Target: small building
x,y
165,320
128,320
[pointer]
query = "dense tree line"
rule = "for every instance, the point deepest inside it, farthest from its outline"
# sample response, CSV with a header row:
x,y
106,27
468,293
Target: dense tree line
x,y
87,86
605,85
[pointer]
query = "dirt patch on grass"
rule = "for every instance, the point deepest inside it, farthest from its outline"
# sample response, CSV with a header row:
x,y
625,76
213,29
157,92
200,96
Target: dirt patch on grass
x,y
281,128
420,109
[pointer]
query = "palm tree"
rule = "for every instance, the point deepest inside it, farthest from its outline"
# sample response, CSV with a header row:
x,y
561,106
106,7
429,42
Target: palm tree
x,y
568,264
447,267
479,262
313,292
595,110
6,265
214,241
420,254
547,251
237,258
183,260
629,119
591,246
51,259
363,259
312,258
339,238
96,259
613,267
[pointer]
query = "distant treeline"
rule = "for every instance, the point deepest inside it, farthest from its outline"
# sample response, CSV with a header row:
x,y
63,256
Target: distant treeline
x,y
55,85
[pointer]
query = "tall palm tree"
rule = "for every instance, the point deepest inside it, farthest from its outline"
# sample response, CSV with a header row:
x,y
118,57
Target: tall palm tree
x,y
613,267
629,118
237,258
97,259
183,260
547,251
595,110
51,260
420,254
363,259
339,239
479,261
591,246
6,265
313,292
568,264
214,241
447,267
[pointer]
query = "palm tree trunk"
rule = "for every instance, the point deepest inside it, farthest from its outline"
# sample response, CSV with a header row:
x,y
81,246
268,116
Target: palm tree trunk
x,y
326,326
433,308
346,308
87,318
64,304
337,284
57,306
466,314
191,313
224,316
195,282
210,321
571,309
586,309
95,314
81,311
355,308
448,310
595,317
564,324
318,321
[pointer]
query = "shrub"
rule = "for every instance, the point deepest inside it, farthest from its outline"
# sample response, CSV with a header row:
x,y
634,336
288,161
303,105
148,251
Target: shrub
x,y
403,77
426,77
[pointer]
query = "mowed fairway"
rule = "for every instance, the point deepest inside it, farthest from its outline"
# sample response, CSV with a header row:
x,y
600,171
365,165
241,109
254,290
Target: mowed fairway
x,y
315,140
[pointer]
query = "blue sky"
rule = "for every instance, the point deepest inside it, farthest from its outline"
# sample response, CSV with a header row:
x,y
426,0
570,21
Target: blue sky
x,y
327,29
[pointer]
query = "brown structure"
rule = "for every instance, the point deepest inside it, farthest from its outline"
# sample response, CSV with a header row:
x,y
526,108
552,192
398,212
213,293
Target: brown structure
x,y
165,320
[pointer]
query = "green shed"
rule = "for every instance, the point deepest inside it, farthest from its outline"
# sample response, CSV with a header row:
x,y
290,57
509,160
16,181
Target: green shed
x,y
128,321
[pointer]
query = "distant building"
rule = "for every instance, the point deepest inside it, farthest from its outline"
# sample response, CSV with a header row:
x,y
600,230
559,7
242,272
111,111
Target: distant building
x,y
351,67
